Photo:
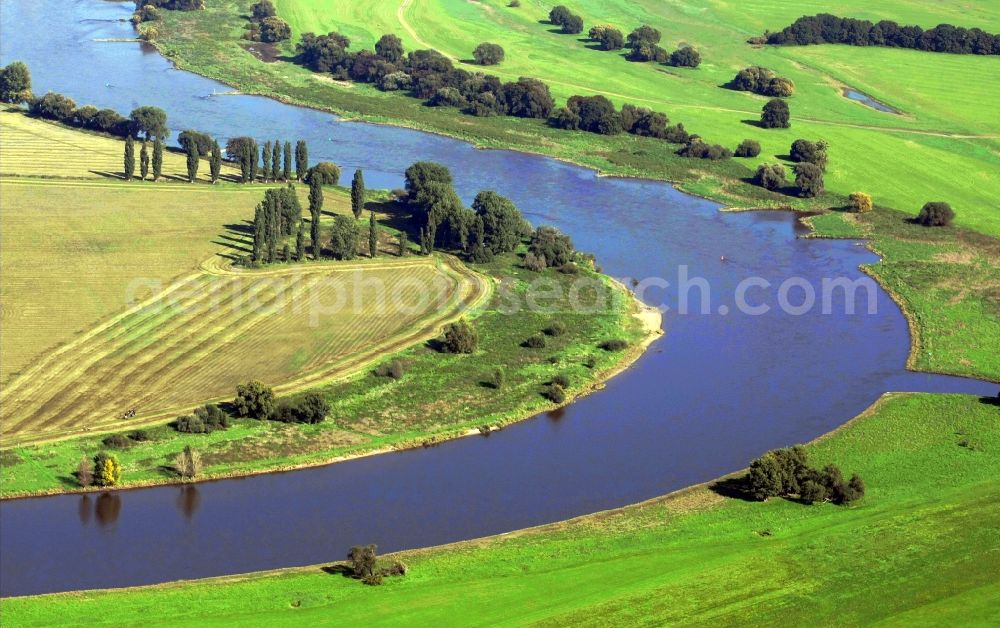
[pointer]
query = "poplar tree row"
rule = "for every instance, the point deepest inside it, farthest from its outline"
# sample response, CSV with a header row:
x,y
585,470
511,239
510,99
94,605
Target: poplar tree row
x,y
194,155
270,162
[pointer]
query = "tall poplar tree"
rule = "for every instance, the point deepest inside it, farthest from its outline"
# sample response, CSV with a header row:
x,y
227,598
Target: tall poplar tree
x,y
265,161
273,225
252,157
275,161
129,158
301,159
286,170
358,193
193,161
372,236
215,162
143,162
315,206
258,233
300,242
157,158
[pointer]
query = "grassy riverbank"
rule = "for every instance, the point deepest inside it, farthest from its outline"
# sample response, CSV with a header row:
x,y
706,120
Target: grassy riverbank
x,y
920,547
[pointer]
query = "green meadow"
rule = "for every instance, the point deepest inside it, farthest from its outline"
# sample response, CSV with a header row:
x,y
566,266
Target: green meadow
x,y
903,160
915,550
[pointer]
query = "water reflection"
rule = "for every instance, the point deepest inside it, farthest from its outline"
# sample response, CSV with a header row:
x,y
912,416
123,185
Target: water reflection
x,y
188,500
83,509
107,509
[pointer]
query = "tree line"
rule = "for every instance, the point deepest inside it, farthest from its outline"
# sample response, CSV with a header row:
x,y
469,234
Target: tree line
x,y
430,76
271,162
825,28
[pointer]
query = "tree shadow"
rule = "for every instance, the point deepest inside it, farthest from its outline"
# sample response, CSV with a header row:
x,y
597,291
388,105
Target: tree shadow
x,y
436,345
339,570
753,123
732,488
990,401
245,227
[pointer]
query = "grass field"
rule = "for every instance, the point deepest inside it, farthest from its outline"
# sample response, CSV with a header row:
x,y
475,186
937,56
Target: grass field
x,y
903,160
920,548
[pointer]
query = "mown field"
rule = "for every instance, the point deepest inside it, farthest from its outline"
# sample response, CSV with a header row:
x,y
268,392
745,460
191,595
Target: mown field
x,y
38,148
904,160
918,549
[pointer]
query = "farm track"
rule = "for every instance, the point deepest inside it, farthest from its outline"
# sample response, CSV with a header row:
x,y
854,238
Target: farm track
x,y
192,342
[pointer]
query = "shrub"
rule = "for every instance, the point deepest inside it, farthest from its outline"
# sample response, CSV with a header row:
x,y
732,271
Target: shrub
x,y
770,176
254,400
344,237
310,408
497,378
488,54
615,344
561,379
212,416
140,436
762,81
117,441
609,37
812,491
107,470
686,57
362,560
514,4
809,179
555,393
860,202
189,425
534,262
748,148
188,463
557,328
555,247
811,152
392,369
590,361
935,214
460,337
775,115
534,342
327,172
698,149
84,474
855,489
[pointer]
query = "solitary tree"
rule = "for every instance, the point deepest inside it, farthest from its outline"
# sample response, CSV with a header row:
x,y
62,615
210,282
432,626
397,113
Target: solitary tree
x,y
143,162
157,158
301,159
358,193
286,166
265,160
15,83
363,560
935,214
775,115
748,148
460,337
770,176
107,469
188,463
129,158
84,473
215,162
372,236
193,160
488,54
315,206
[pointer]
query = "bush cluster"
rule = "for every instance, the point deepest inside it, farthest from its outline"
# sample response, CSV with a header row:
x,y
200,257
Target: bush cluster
x,y
614,344
830,29
786,473
763,81
569,22
309,408
393,369
698,149
204,420
460,337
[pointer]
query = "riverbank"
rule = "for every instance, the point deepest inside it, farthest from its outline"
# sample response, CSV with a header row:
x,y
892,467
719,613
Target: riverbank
x,y
911,550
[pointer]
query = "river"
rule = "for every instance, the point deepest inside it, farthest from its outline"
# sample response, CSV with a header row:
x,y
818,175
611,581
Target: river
x,y
716,391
